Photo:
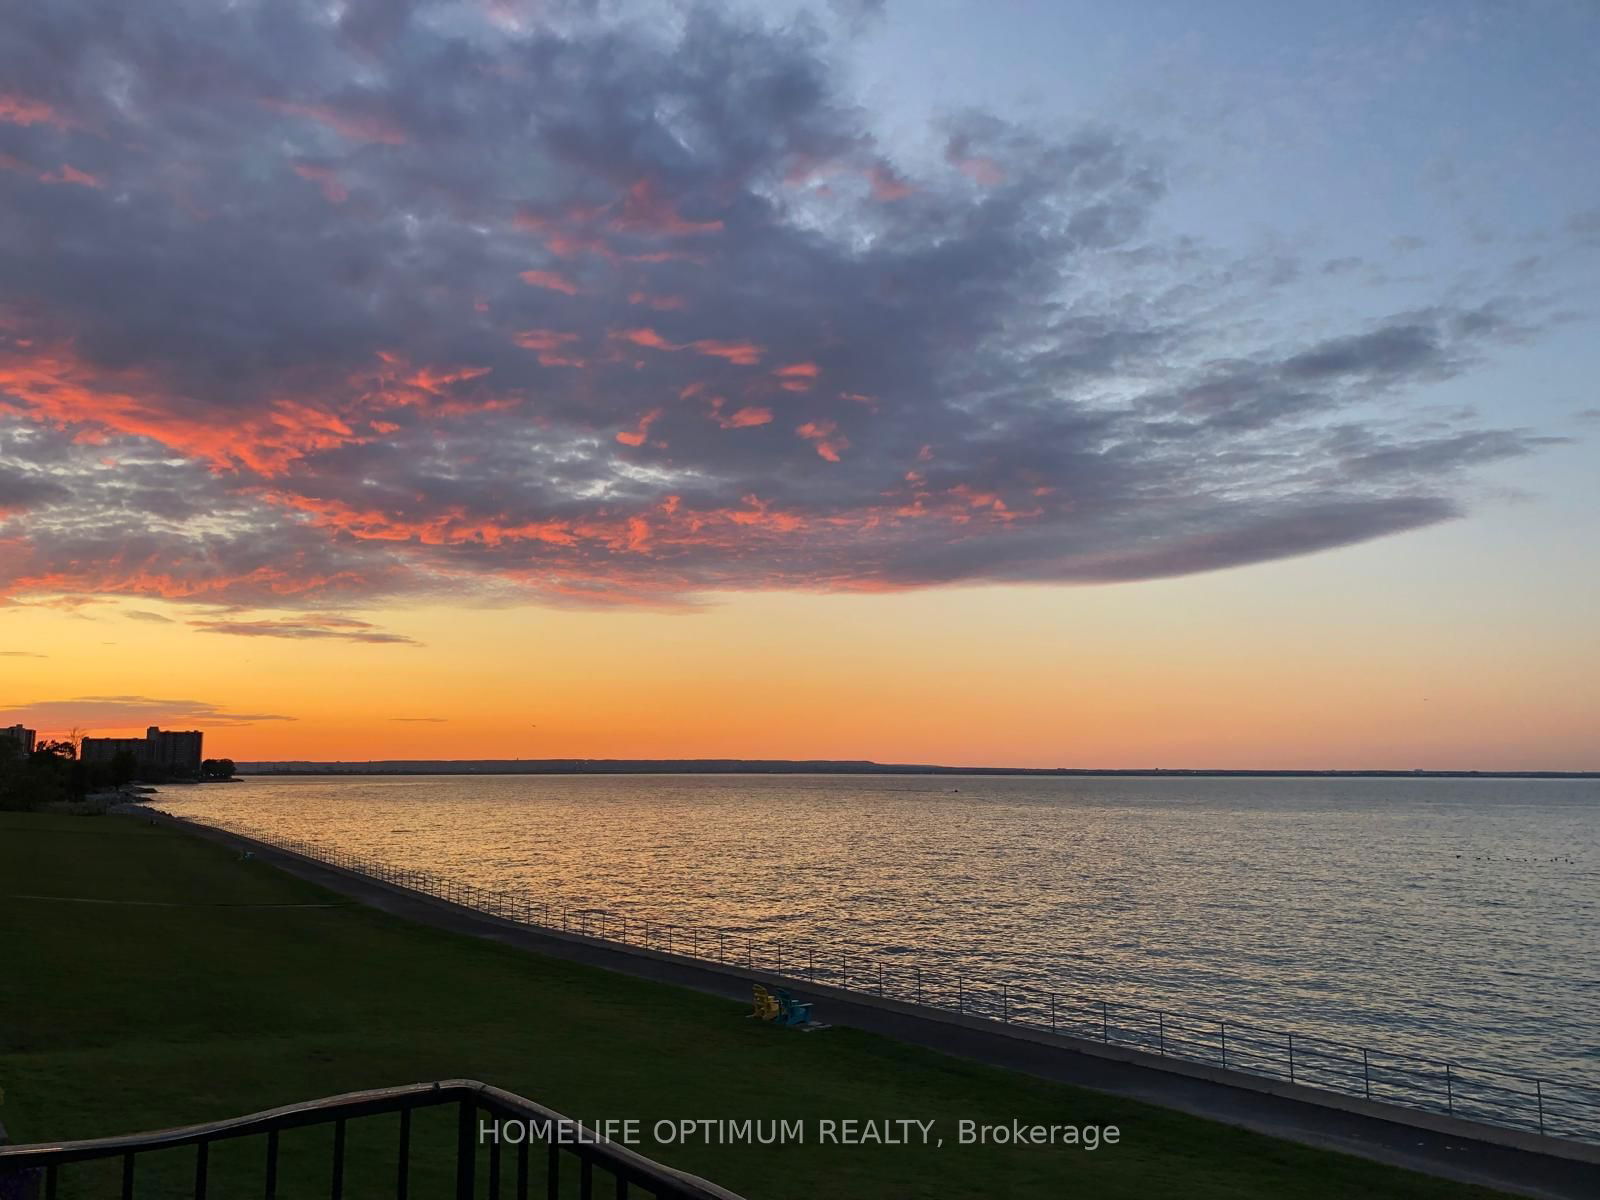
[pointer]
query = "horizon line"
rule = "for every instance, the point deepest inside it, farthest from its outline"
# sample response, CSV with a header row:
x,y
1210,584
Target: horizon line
x,y
710,765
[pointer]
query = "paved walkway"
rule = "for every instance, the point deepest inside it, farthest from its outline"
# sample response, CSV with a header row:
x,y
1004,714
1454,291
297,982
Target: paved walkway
x,y
1456,1158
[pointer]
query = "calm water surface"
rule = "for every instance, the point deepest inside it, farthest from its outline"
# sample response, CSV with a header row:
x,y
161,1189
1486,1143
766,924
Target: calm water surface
x,y
1452,917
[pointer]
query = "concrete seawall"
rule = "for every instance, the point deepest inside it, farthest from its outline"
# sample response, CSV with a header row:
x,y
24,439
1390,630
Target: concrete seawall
x,y
1450,1147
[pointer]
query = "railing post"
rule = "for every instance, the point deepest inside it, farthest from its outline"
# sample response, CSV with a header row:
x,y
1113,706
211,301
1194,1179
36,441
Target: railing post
x,y
466,1153
1161,1031
1449,1092
1538,1094
336,1190
1005,1004
402,1169
272,1168
1105,1023
880,977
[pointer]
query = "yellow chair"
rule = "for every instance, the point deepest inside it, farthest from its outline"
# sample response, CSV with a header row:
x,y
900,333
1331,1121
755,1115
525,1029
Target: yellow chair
x,y
766,1004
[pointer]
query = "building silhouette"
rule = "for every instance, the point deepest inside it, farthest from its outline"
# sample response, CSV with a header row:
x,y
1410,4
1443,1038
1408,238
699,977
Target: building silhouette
x,y
23,737
176,752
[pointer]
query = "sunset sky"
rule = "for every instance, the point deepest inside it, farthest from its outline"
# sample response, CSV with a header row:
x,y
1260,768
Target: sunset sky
x,y
1055,383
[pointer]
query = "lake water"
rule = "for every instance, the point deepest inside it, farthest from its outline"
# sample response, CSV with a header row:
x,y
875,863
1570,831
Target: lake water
x,y
1452,918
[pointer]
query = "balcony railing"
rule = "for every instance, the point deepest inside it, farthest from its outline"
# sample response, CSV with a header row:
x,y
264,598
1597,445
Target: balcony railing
x,y
558,1157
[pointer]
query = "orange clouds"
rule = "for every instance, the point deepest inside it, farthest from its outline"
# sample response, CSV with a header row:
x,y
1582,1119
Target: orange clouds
x,y
797,377
640,212
637,435
550,346
746,418
452,526
54,384
821,434
130,577
435,379
643,211
543,339
550,281
745,354
646,337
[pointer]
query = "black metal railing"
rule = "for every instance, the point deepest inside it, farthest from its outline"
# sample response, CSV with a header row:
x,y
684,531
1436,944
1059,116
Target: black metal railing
x,y
550,1156
1547,1104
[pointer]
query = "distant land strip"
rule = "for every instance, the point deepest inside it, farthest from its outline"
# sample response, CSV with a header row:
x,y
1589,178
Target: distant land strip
x,y
783,766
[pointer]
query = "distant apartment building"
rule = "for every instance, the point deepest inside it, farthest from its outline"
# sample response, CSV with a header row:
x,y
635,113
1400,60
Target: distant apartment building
x,y
23,737
176,752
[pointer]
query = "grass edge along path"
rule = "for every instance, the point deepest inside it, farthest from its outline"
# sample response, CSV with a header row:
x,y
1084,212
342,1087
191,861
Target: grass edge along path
x,y
121,1017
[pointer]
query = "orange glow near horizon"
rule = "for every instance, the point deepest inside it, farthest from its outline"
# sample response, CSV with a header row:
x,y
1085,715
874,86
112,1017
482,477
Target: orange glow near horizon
x,y
1272,667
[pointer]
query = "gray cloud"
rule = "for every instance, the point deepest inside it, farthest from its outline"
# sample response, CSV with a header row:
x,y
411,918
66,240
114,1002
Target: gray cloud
x,y
314,626
127,712
589,309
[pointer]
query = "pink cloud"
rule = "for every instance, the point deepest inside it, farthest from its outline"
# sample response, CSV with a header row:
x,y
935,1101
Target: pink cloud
x,y
549,344
551,281
661,303
820,433
16,109
745,354
358,127
643,211
70,174
748,417
886,185
325,178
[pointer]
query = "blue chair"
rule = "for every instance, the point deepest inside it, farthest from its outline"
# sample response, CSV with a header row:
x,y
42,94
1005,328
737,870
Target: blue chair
x,y
790,1010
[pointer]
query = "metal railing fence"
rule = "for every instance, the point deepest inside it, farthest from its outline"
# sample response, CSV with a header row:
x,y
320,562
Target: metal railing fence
x,y
557,1154
1546,1104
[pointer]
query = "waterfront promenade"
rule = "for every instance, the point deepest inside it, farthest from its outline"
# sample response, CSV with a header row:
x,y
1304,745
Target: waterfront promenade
x,y
280,996
1427,1142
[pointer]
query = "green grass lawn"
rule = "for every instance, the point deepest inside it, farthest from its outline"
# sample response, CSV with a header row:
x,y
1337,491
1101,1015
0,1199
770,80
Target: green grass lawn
x,y
117,1018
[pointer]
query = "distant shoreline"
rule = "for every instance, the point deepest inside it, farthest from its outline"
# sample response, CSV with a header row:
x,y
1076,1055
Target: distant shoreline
x,y
723,766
